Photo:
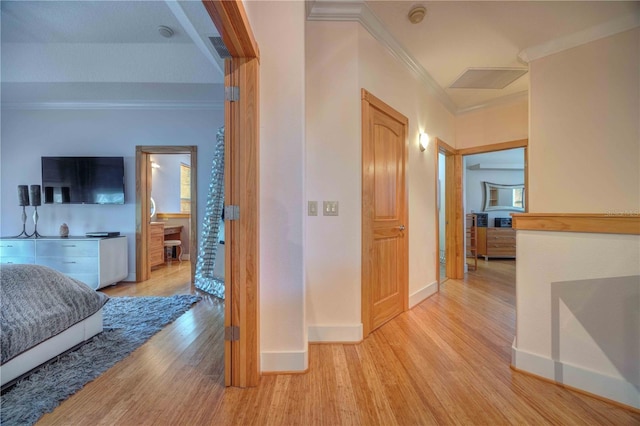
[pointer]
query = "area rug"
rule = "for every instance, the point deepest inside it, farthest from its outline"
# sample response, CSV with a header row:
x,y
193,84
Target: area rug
x,y
128,323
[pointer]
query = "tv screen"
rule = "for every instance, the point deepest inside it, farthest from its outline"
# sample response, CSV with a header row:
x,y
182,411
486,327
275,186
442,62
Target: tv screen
x,y
83,180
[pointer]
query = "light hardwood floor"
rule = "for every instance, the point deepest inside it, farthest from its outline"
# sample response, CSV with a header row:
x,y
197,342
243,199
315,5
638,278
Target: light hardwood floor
x,y
444,362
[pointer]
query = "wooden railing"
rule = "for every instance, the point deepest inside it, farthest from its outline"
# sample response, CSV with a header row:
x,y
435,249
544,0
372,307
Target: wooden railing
x,y
607,223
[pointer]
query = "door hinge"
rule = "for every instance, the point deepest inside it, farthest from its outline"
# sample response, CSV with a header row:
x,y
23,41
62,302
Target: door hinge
x,y
232,333
232,93
231,212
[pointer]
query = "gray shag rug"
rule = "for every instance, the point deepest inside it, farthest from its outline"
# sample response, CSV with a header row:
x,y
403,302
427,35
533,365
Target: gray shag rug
x,y
128,323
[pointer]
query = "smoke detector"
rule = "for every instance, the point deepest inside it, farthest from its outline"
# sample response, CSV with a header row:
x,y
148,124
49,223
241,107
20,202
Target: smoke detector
x,y
165,31
417,14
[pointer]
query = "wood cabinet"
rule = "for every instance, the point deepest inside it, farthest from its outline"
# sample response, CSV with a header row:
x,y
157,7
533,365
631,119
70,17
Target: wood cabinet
x,y
97,262
497,242
156,244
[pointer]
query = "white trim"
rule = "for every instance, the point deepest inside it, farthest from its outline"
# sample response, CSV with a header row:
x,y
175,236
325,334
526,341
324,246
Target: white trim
x,y
570,41
422,294
131,277
358,11
129,105
335,333
284,361
608,387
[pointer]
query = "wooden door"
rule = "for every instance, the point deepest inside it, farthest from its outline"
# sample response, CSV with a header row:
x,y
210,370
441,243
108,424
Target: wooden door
x,y
384,213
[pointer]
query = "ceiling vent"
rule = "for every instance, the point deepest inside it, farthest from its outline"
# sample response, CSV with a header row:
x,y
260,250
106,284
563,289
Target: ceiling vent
x,y
218,44
488,78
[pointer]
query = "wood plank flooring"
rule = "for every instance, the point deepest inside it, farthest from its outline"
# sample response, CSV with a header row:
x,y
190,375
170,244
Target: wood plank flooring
x,y
444,362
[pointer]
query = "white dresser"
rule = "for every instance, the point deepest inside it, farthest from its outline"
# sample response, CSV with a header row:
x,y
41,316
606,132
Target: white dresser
x,y
97,262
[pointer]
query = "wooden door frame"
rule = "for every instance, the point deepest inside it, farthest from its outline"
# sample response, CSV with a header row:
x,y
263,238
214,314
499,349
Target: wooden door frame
x,y
368,99
455,212
452,199
143,194
242,188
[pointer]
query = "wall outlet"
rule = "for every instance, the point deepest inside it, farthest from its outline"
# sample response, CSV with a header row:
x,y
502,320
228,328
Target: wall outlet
x,y
330,208
312,208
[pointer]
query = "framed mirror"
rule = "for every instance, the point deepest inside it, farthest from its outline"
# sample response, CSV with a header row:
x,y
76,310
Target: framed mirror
x,y
503,197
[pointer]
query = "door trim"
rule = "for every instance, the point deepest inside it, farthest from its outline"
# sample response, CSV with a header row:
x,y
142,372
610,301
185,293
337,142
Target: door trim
x,y
367,99
452,199
457,239
242,188
143,177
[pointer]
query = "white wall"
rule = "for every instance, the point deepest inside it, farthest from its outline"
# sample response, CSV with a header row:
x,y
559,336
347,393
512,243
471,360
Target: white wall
x,y
578,294
585,128
578,311
494,124
165,181
279,31
28,134
334,171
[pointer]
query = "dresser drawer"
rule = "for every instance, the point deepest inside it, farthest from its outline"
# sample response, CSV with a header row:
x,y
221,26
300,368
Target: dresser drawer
x,y
12,248
69,248
15,260
501,251
69,265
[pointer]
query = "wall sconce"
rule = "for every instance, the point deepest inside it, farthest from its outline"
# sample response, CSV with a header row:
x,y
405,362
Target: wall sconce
x,y
155,165
424,141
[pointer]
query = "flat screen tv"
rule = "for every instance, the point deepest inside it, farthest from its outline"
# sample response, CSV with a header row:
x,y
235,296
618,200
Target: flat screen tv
x,y
83,180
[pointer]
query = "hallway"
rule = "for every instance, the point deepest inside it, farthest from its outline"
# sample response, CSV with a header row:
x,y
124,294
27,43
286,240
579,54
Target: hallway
x,y
446,361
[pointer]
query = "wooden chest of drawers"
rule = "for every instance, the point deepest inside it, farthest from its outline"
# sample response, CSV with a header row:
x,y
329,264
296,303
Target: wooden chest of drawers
x,y
496,242
156,244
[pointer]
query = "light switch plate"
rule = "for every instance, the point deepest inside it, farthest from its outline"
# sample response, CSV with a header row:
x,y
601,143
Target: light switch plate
x,y
330,208
312,208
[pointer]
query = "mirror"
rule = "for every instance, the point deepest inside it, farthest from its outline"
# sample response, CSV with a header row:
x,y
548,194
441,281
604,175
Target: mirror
x,y
503,197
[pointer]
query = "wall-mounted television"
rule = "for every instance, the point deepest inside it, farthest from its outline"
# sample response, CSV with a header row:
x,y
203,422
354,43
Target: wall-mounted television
x,y
83,180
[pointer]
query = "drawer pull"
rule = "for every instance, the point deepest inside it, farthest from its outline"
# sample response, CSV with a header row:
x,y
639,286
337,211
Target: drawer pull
x,y
68,245
68,262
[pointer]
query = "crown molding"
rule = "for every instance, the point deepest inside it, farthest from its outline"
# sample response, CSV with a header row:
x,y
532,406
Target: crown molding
x,y
108,105
594,33
504,100
358,11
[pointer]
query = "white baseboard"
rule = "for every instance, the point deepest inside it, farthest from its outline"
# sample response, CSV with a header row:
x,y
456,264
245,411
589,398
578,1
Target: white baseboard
x,y
593,382
285,361
335,333
422,294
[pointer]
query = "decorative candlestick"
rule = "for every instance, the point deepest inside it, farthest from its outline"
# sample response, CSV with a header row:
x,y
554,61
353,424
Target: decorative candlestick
x,y
35,202
23,200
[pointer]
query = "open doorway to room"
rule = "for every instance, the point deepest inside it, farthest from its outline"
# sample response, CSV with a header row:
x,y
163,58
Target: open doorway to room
x,y
159,170
494,188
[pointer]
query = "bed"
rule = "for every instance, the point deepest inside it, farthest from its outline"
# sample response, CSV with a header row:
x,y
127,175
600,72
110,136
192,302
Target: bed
x,y
43,313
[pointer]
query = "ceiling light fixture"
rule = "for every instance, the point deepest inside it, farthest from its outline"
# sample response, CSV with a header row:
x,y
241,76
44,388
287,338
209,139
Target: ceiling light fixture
x,y
165,31
417,14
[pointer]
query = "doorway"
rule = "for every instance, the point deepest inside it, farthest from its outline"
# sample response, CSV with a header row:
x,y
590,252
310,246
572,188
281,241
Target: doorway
x,y
144,178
